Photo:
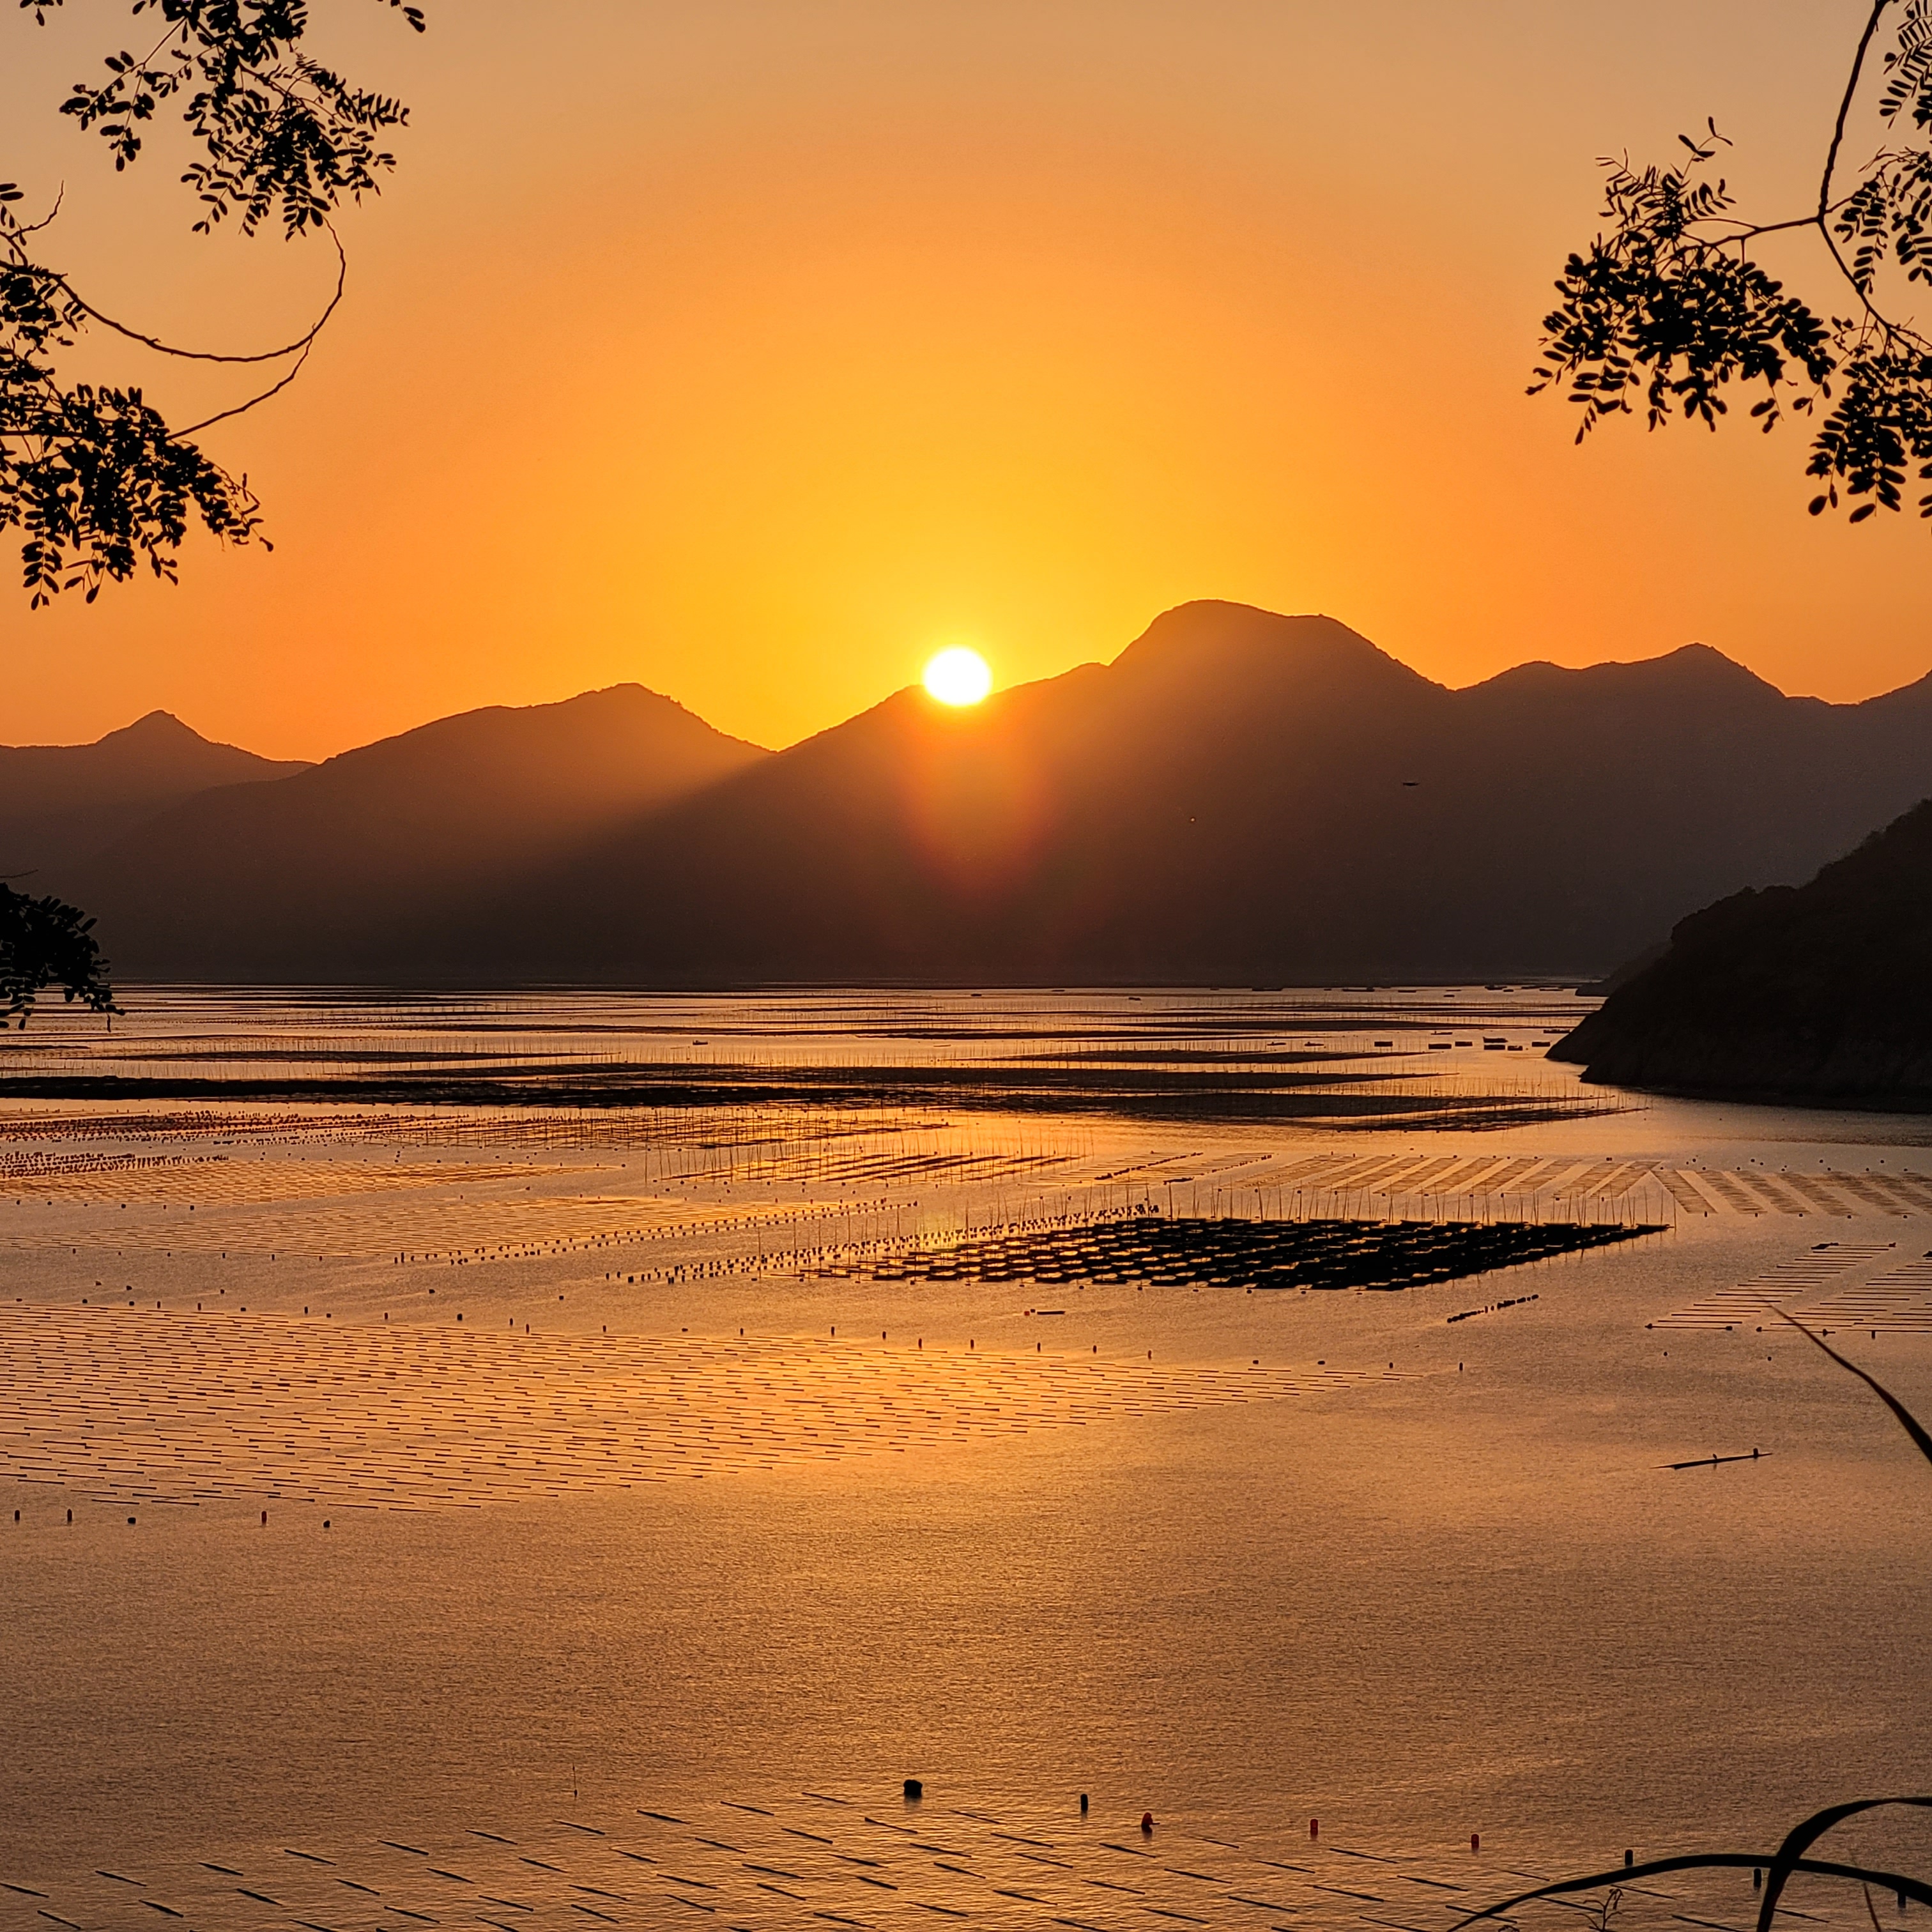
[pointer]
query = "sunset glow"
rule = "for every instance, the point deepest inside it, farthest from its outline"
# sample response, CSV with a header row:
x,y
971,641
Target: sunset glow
x,y
939,328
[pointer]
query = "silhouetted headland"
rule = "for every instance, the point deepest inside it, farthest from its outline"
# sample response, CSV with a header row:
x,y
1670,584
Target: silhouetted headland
x,y
1817,993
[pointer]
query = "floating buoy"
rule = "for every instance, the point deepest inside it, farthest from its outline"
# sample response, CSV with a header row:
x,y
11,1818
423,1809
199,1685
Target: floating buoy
x,y
913,1789
1083,1803
1146,1824
1314,1827
1475,1841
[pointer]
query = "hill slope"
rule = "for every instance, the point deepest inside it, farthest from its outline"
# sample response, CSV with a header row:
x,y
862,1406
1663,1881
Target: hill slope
x,y
60,802
354,869
1815,992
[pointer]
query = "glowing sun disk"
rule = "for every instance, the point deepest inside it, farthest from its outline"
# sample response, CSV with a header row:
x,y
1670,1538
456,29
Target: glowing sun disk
x,y
958,677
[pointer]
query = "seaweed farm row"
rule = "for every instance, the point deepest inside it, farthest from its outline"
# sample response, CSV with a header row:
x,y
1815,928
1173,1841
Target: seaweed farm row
x,y
842,1854
856,1148
1259,1255
1337,1099
1417,1058
712,1140
133,1406
253,1029
1813,1289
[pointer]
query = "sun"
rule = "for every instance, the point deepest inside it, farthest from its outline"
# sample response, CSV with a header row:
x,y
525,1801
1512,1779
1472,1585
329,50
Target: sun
x,y
958,677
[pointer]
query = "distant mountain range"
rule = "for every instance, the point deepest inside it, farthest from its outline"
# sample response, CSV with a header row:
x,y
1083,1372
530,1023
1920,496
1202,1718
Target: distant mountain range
x,y
360,869
1238,798
1815,993
61,803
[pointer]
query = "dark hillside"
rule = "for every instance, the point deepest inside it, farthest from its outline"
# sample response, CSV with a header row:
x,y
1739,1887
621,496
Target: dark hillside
x,y
1817,992
353,869
60,802
1245,798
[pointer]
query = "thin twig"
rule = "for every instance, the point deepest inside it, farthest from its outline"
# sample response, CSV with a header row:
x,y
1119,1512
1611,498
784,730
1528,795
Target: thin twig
x,y
1832,161
1909,1887
45,220
301,344
1845,106
242,408
1791,1854
97,100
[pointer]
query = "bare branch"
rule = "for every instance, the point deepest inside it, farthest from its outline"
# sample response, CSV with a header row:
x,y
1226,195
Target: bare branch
x,y
1878,12
253,402
302,343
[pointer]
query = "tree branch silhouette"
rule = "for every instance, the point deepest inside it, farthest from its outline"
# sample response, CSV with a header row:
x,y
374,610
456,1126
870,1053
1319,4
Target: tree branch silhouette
x,y
96,481
1671,304
46,943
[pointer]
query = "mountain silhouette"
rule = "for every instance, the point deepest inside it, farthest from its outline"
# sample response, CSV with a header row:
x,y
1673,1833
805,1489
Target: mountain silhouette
x,y
60,802
1245,798
350,869
1815,992
1239,797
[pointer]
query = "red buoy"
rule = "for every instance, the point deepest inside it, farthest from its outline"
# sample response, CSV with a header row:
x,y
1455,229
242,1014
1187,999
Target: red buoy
x,y
1314,1827
1146,1823
1475,1841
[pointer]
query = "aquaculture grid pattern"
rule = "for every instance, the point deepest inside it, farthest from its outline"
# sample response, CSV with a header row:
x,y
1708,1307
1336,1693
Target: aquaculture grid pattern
x,y
825,1859
1896,1302
142,1405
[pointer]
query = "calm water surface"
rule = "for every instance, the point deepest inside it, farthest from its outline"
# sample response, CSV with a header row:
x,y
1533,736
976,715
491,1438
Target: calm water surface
x,y
1472,1600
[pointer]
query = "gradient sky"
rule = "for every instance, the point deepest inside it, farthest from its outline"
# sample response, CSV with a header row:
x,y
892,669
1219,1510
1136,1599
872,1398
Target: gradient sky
x,y
752,350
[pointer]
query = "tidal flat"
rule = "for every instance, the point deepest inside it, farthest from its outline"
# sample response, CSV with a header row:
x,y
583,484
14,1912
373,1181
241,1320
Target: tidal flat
x,y
649,1490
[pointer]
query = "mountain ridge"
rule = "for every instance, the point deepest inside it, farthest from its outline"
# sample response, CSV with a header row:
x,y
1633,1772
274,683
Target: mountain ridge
x,y
60,802
1238,797
346,860
965,853
1692,666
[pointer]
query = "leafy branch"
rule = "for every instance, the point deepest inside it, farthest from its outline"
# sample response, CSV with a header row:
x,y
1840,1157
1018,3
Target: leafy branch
x,y
1671,305
46,943
95,480
284,134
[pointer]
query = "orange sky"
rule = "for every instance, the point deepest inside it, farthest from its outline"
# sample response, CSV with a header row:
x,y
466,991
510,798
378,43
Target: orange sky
x,y
751,350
